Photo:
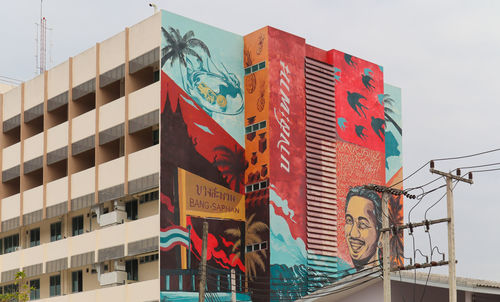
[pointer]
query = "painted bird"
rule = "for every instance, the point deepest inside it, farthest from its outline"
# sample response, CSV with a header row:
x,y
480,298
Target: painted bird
x,y
354,100
359,132
367,79
349,61
378,125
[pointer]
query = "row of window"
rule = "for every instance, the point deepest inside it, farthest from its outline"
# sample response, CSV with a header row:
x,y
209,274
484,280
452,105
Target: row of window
x,y
131,267
255,127
255,68
11,243
256,247
256,186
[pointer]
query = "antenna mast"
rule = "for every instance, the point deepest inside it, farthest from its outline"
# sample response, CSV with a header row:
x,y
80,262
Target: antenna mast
x,y
41,43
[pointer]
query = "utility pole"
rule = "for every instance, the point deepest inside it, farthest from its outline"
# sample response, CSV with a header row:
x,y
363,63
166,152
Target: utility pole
x,y
233,285
452,276
203,265
386,249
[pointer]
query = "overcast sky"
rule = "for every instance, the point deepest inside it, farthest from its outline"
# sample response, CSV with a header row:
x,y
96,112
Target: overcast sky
x,y
445,55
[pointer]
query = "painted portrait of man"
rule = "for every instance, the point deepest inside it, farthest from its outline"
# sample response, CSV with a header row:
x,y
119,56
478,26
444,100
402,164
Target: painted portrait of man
x,y
363,223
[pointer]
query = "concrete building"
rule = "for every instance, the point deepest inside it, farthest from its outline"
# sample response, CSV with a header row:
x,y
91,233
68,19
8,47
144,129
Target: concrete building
x,y
113,160
80,174
406,286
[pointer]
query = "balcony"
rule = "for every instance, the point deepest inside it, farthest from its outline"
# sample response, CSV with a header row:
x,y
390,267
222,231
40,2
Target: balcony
x,y
144,162
111,179
139,291
33,153
83,126
144,100
32,200
57,191
11,207
57,137
11,157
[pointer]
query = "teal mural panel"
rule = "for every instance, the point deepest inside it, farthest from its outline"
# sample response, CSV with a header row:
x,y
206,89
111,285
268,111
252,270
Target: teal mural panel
x,y
393,132
207,63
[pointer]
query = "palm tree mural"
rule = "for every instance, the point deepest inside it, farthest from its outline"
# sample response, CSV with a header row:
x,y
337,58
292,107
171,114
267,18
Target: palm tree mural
x,y
395,218
232,165
179,47
387,100
252,259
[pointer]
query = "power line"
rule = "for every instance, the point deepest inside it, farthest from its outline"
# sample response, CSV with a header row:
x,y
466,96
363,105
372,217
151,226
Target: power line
x,y
467,156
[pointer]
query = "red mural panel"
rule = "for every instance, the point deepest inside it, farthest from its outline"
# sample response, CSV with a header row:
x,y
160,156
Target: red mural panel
x,y
356,166
191,132
360,112
287,127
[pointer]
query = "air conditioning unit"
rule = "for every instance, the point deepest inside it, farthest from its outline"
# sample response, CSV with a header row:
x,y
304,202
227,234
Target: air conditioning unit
x,y
117,216
113,278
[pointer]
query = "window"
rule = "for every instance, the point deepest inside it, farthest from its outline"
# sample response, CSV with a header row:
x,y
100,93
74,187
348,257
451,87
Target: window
x,y
255,68
11,288
35,293
55,231
156,137
34,237
256,247
77,225
256,186
148,258
11,243
131,208
55,285
132,269
255,127
76,282
148,197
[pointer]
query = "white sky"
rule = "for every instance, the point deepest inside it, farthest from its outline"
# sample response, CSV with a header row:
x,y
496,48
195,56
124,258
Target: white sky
x,y
445,55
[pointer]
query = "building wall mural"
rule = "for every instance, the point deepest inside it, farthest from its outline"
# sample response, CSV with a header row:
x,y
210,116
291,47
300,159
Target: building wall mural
x,y
256,63
202,156
358,232
207,70
287,211
394,161
360,112
360,159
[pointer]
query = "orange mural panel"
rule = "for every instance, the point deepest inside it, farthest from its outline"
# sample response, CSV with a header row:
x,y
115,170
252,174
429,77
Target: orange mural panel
x,y
256,106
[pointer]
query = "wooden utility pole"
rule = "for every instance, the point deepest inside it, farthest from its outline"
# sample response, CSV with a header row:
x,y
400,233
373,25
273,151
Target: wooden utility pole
x,y
452,277
386,248
203,265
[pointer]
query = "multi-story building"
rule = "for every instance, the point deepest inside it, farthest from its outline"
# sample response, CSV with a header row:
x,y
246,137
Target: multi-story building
x,y
80,174
114,160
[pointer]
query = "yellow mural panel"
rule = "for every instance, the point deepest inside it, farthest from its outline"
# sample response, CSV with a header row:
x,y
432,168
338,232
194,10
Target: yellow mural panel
x,y
202,198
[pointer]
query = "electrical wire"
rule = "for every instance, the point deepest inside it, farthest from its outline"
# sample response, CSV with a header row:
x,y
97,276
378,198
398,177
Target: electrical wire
x,y
467,156
480,166
416,171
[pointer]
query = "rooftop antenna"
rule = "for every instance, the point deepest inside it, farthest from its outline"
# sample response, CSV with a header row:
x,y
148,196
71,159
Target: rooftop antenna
x,y
41,43
154,6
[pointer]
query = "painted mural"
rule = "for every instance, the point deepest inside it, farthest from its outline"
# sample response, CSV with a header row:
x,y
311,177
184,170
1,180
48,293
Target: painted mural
x,y
287,211
257,170
360,112
393,132
394,162
359,210
207,70
202,158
